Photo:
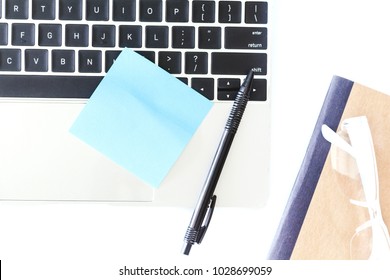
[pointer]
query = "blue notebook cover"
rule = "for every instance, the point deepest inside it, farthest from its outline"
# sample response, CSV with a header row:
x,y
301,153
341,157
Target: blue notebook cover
x,y
310,170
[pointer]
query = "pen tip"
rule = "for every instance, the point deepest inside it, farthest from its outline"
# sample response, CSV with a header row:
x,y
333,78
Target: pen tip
x,y
248,79
186,248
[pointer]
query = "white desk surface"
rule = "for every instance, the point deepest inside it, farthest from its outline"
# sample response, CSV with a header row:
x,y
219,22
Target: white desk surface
x,y
311,41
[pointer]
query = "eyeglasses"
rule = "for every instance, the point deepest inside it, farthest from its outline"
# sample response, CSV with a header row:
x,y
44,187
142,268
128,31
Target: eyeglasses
x,y
371,239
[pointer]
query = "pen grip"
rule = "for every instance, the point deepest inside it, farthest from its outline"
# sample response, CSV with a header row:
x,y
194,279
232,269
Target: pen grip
x,y
237,111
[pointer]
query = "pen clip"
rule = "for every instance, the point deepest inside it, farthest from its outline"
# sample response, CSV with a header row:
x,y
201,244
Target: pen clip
x,y
207,218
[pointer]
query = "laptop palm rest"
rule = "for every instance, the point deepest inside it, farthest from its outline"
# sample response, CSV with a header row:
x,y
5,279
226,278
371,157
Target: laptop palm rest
x,y
40,160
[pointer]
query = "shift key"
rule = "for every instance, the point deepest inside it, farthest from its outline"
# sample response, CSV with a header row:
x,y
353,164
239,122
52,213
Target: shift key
x,y
238,63
246,38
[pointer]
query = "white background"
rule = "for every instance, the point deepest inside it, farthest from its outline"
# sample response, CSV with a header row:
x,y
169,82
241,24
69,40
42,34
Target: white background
x,y
310,42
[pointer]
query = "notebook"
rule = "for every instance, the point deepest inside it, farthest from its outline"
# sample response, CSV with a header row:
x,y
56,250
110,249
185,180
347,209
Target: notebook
x,y
54,53
319,220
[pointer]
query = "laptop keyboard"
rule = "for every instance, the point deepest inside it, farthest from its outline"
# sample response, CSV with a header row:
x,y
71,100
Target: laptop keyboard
x,y
63,48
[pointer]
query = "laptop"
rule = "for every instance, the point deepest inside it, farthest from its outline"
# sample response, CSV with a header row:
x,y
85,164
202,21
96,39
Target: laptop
x,y
54,53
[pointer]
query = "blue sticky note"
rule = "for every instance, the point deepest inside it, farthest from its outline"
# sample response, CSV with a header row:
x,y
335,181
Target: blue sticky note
x,y
141,117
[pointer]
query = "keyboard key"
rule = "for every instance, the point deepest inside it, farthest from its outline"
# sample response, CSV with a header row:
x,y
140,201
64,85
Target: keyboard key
x,y
47,86
43,9
16,9
204,86
3,33
177,11
103,35
90,61
157,36
250,38
227,95
97,10
209,37
183,80
36,60
76,35
196,63
150,55
63,61
111,56
23,34
150,10
10,60
203,11
50,35
124,10
170,62
259,90
130,36
228,88
229,12
183,37
238,63
70,9
256,12
229,84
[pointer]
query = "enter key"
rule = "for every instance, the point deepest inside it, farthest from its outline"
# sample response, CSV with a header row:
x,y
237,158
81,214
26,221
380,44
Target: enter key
x,y
250,38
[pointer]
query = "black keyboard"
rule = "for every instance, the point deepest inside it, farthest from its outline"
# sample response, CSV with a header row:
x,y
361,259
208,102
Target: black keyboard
x,y
63,48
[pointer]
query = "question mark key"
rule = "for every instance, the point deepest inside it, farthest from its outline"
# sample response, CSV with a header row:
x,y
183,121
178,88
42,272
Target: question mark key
x,y
196,63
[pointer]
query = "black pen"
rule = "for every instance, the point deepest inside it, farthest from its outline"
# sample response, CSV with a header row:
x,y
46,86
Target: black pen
x,y
206,202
